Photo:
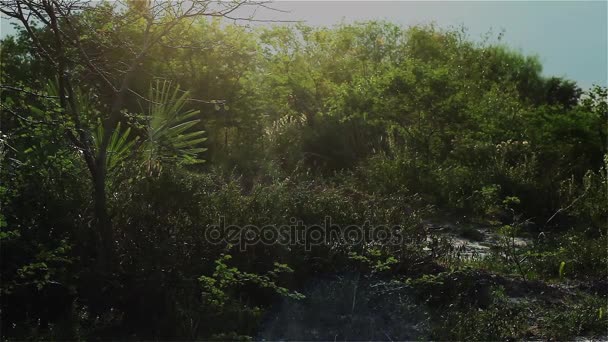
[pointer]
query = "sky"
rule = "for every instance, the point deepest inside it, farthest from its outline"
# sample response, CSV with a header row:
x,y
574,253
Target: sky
x,y
570,37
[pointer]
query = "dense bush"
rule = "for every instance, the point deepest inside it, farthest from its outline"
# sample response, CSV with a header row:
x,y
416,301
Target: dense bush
x,y
366,122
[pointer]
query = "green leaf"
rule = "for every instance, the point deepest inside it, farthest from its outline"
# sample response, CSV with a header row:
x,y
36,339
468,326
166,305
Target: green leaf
x,y
171,131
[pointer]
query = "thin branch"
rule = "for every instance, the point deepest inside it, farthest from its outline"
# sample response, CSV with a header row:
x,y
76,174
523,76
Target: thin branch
x,y
189,100
263,20
19,15
567,207
143,97
76,39
29,120
263,4
21,90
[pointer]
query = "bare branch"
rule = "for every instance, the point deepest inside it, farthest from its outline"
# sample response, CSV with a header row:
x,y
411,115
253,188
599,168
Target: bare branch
x,y
141,97
560,210
25,91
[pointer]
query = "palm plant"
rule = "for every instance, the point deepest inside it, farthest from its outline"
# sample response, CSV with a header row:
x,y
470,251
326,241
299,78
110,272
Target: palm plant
x,y
169,134
169,137
119,148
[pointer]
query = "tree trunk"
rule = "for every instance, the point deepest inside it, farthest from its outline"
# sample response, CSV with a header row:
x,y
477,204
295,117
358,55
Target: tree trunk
x,y
103,225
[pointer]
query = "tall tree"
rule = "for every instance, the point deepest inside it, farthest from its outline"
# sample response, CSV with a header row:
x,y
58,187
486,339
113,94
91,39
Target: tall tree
x,y
70,24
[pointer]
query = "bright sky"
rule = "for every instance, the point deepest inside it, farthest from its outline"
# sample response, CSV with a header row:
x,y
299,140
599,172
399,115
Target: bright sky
x,y
570,37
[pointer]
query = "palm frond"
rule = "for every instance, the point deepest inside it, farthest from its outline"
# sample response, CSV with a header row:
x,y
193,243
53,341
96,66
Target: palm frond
x,y
171,133
119,146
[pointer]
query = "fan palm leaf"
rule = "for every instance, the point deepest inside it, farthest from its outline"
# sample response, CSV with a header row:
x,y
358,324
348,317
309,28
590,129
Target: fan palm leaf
x,y
171,132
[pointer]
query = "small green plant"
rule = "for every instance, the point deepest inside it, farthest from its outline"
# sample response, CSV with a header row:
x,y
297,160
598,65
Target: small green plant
x,y
487,200
512,253
216,288
562,265
374,260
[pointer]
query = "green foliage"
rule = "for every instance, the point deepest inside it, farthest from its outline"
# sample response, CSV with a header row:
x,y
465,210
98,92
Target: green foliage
x,y
374,261
224,278
365,122
120,146
500,321
582,256
580,318
169,137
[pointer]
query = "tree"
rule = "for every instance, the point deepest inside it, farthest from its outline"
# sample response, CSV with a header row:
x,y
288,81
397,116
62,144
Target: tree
x,y
71,28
